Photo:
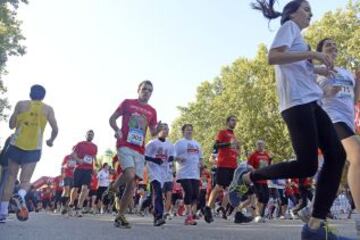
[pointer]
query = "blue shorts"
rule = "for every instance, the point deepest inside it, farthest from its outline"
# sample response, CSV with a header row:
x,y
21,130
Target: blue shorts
x,y
22,156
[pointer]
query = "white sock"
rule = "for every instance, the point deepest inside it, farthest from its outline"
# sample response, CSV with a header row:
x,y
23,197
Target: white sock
x,y
22,193
4,208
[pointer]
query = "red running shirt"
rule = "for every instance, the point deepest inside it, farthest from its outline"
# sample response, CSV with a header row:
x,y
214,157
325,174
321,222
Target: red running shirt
x,y
68,166
94,182
87,152
259,160
136,118
227,156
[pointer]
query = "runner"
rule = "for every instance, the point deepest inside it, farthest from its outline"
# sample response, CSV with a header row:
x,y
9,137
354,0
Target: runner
x,y
308,124
259,159
104,182
228,152
137,115
188,164
159,153
29,120
85,155
341,92
67,171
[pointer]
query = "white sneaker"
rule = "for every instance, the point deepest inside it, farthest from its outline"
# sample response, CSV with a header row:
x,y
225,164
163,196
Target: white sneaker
x,y
259,219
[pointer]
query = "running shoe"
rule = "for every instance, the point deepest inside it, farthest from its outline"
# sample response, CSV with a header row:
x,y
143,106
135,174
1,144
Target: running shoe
x,y
167,216
158,222
78,213
64,210
259,219
189,220
121,222
241,218
324,232
208,215
22,213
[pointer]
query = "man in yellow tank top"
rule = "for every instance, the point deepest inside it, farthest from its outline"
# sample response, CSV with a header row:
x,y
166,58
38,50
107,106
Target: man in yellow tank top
x,y
29,120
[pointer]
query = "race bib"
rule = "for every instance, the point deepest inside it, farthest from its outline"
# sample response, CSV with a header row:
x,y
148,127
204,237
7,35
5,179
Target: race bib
x,y
346,86
88,159
136,137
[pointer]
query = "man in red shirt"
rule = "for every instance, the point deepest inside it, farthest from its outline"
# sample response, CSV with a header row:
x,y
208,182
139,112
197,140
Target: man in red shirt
x,y
228,152
85,155
67,172
137,116
259,159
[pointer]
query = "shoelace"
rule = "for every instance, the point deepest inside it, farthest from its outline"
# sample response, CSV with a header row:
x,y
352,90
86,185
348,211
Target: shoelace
x,y
329,230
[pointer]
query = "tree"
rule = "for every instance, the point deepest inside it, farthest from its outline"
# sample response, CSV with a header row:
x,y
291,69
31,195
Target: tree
x,y
10,42
246,89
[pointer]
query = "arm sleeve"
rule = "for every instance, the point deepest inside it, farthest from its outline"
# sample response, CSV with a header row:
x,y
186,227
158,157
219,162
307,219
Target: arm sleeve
x,y
121,108
285,35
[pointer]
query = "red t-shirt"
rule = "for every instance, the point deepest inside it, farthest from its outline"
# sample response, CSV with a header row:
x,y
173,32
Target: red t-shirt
x,y
259,160
56,184
94,183
87,152
227,156
136,118
68,165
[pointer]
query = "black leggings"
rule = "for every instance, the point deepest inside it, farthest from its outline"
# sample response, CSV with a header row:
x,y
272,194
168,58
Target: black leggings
x,y
310,128
191,189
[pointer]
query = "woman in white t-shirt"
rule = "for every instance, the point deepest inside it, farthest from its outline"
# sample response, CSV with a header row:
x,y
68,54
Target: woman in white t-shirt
x,y
308,124
341,92
104,182
188,163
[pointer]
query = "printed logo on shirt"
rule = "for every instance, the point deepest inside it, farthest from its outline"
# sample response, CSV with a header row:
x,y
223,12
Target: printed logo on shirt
x,y
162,154
192,149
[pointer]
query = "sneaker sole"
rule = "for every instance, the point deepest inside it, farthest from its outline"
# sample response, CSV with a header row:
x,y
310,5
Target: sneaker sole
x,y
118,225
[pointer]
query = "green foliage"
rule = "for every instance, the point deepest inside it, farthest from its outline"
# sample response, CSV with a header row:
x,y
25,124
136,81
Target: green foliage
x,y
247,90
10,38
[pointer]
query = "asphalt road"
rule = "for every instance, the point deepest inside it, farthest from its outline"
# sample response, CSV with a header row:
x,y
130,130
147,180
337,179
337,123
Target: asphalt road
x,y
48,226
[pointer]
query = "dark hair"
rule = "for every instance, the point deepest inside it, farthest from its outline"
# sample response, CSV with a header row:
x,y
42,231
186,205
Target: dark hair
x,y
229,118
267,9
185,126
37,92
320,45
104,165
145,82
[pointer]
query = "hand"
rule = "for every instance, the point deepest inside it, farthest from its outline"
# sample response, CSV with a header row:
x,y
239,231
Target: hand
x,y
118,134
158,127
334,90
326,72
357,75
323,58
50,142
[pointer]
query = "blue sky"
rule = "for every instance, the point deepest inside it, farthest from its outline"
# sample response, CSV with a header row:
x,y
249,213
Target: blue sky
x,y
91,54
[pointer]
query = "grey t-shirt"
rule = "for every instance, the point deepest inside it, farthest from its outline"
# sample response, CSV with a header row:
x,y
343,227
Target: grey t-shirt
x,y
340,107
296,82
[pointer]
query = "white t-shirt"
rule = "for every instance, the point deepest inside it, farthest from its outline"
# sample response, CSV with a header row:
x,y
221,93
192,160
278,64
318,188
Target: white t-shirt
x,y
296,82
190,151
103,177
162,150
340,107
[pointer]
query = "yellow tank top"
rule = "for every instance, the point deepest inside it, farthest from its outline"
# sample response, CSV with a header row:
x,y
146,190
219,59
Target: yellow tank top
x,y
30,126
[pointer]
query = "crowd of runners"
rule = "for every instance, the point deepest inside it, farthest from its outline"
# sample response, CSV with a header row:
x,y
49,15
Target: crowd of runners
x,y
166,179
